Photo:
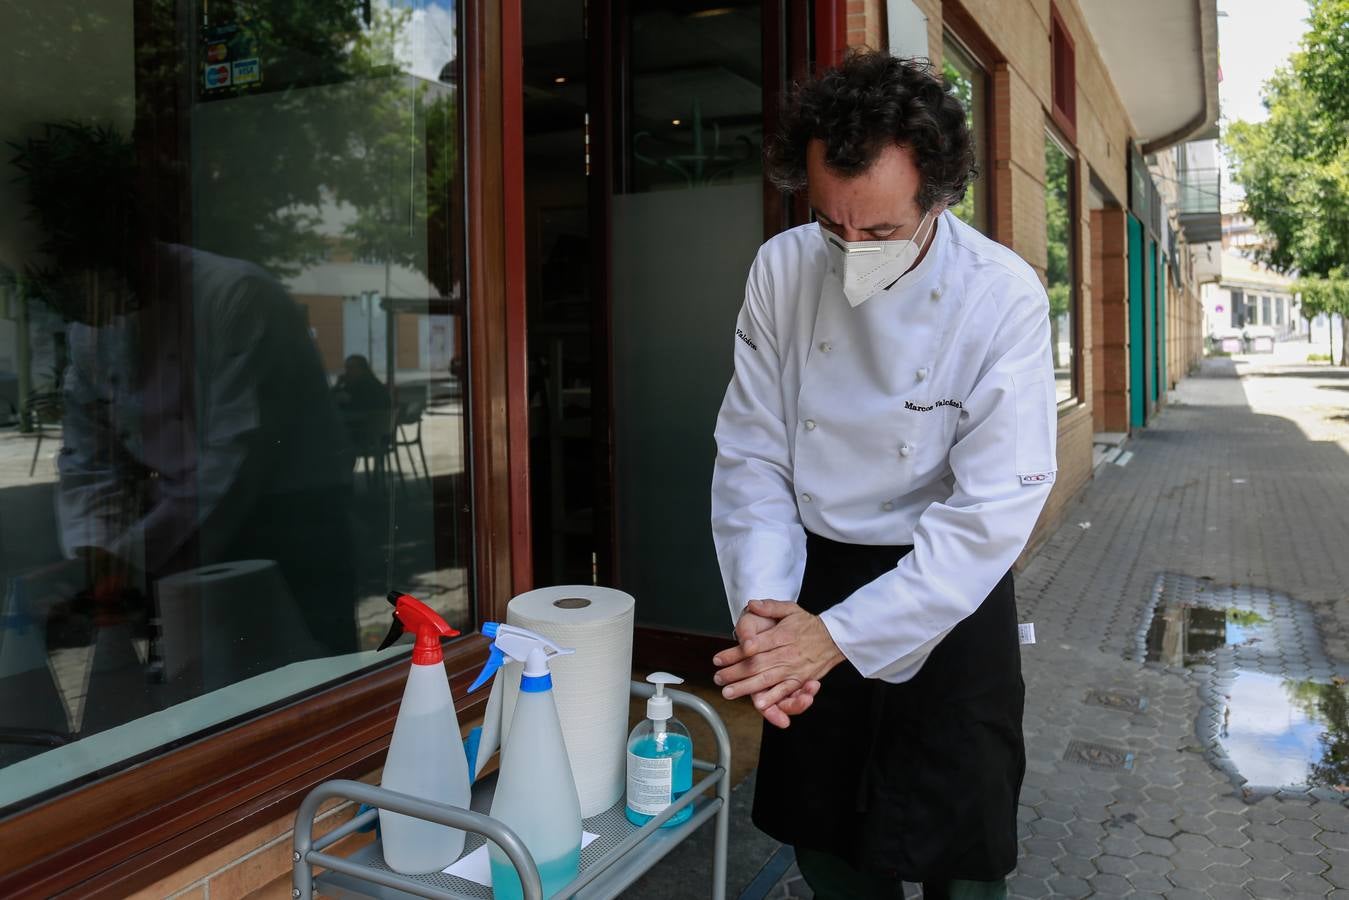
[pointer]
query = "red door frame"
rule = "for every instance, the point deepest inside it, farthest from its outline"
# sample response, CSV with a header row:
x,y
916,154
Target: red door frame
x,y
517,386
831,32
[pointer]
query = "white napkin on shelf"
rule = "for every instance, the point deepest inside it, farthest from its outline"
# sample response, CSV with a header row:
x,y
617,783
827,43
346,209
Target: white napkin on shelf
x,y
477,866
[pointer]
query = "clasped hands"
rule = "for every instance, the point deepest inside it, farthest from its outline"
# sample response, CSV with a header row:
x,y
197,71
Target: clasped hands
x,y
782,654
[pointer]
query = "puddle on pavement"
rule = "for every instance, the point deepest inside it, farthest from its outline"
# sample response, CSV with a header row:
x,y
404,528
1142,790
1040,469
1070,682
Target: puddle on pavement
x,y
1273,714
1279,732
1188,635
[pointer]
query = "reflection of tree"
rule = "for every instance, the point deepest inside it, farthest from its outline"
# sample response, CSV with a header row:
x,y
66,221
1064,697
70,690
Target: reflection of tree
x,y
963,89
79,184
1058,237
334,130
402,155
270,152
1328,704
1245,618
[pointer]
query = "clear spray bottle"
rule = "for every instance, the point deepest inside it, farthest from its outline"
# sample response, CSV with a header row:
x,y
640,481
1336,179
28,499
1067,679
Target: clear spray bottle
x,y
426,755
535,793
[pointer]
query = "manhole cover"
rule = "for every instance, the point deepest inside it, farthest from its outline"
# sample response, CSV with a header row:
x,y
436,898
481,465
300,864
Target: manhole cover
x,y
1117,700
1098,756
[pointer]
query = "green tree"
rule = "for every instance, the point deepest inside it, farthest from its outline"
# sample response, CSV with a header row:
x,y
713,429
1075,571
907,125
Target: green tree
x,y
401,154
1294,166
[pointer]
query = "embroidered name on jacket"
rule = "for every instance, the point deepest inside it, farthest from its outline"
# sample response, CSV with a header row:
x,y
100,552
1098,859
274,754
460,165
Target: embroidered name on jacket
x,y
746,338
909,404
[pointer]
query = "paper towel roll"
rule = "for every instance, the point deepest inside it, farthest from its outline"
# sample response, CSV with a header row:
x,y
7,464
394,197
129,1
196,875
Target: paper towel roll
x,y
591,687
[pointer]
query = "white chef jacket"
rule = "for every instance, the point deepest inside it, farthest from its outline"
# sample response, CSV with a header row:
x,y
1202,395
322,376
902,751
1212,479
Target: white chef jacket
x,y
926,416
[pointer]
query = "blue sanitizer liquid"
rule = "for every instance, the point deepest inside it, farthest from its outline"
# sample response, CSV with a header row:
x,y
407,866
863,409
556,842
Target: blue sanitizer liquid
x,y
678,749
555,874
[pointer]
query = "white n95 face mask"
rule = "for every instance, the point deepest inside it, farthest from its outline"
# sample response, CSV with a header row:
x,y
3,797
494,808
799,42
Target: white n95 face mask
x,y
868,267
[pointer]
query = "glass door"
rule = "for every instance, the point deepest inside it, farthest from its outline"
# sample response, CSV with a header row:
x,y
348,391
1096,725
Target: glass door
x,y
687,218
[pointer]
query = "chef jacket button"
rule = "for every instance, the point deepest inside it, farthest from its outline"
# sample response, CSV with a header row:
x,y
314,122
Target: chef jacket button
x,y
825,346
888,505
905,449
922,373
810,424
805,498
936,293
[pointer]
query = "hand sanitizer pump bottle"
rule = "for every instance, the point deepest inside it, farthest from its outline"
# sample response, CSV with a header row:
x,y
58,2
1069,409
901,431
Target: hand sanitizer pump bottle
x,y
426,755
660,759
535,793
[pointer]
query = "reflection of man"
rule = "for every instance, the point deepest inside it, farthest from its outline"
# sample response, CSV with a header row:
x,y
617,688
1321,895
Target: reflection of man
x,y
884,449
199,429
358,388
363,401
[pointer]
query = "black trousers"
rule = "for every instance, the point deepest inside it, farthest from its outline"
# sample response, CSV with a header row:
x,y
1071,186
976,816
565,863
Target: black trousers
x,y
915,781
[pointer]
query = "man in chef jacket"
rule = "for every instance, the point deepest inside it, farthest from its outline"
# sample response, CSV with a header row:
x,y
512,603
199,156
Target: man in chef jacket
x,y
884,449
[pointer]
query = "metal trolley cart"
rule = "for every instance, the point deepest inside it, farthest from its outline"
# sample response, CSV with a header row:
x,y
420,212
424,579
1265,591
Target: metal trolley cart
x,y
620,854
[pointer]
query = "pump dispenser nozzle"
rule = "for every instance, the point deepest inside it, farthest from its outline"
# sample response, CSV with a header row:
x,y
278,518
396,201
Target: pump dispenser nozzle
x,y
411,613
660,707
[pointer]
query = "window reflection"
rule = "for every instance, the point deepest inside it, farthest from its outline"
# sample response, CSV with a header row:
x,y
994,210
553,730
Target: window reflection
x,y
234,336
1059,207
968,81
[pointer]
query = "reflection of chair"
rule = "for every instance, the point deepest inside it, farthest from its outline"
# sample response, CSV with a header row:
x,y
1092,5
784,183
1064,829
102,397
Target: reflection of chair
x,y
369,430
410,418
43,406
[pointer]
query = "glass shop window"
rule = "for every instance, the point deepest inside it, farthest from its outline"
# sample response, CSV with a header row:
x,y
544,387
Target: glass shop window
x,y
969,82
1060,206
232,381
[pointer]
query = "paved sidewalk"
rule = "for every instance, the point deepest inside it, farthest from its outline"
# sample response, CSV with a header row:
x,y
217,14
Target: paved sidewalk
x,y
1212,583
1187,731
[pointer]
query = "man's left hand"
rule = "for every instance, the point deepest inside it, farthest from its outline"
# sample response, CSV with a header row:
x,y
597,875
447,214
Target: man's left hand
x,y
775,663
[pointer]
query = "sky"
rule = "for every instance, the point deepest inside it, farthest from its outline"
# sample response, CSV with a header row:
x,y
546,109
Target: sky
x,y
1254,38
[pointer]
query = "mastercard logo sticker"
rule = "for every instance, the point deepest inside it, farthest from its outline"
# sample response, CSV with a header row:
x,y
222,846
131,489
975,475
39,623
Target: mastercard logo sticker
x,y
217,52
218,76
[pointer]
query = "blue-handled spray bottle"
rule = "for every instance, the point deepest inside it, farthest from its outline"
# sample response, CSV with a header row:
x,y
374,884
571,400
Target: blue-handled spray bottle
x,y
535,793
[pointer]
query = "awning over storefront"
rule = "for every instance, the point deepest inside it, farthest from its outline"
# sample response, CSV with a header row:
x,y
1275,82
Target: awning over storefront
x,y
1163,58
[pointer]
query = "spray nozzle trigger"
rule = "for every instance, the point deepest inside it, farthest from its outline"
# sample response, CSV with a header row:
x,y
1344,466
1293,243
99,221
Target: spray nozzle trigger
x,y
411,613
513,644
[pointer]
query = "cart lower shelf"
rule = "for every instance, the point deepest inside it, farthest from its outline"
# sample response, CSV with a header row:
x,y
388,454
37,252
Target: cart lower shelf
x,y
611,829
620,854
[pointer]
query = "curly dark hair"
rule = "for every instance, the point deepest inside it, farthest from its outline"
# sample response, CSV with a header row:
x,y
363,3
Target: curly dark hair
x,y
867,102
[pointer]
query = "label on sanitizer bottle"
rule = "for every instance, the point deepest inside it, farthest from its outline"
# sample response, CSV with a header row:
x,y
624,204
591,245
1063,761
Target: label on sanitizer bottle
x,y
650,784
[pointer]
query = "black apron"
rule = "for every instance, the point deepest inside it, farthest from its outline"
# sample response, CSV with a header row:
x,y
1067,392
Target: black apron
x,y
918,780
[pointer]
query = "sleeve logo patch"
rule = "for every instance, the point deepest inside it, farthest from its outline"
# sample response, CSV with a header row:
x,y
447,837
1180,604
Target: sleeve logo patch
x,y
1038,478
746,338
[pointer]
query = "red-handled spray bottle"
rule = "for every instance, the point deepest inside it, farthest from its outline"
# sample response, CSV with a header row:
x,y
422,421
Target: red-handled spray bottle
x,y
426,756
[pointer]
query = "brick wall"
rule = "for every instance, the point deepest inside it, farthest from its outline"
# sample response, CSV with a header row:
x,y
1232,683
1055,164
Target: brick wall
x,y
866,23
325,318
1111,337
1022,91
257,866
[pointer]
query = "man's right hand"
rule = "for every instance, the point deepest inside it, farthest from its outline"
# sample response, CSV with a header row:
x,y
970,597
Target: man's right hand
x,y
779,713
